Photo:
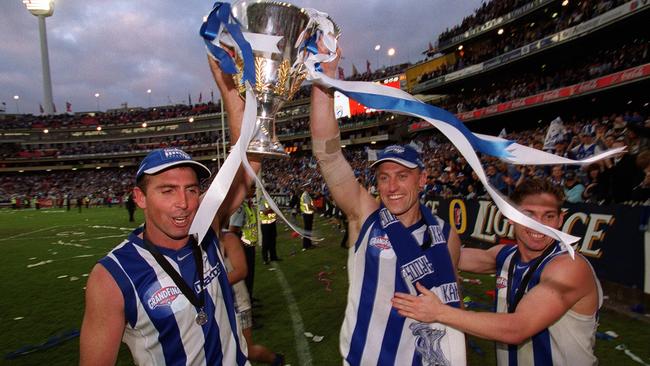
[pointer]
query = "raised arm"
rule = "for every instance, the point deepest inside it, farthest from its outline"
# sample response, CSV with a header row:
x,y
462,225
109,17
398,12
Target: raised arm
x,y
234,106
348,194
103,323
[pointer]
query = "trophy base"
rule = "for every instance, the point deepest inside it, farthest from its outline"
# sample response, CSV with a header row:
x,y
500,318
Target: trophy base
x,y
265,149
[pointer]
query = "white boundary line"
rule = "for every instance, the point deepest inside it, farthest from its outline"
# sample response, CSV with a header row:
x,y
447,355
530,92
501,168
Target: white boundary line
x,y
29,233
302,347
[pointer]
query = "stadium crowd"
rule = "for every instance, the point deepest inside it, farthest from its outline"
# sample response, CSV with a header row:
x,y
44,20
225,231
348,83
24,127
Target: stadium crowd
x,y
523,33
621,179
122,117
601,62
488,11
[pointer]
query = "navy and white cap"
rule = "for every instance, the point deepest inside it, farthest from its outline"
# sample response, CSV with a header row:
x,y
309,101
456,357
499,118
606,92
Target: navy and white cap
x,y
161,159
404,155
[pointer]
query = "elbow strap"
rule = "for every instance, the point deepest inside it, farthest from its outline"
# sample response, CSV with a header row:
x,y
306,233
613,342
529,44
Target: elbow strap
x,y
334,168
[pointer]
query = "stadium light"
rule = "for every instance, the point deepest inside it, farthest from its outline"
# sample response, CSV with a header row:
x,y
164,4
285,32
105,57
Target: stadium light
x,y
390,53
460,48
500,31
144,124
17,98
97,99
149,96
42,9
190,120
565,3
377,48
46,131
99,128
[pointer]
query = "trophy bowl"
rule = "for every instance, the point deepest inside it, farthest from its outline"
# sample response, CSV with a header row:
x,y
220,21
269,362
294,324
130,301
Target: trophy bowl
x,y
276,78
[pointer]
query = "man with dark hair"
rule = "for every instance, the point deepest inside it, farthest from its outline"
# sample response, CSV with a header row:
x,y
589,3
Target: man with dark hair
x,y
547,302
395,242
160,292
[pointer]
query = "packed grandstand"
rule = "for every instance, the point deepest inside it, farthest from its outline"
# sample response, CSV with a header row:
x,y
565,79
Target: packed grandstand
x,y
510,69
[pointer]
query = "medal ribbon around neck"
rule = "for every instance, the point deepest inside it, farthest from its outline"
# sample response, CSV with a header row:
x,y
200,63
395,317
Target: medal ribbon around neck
x,y
197,300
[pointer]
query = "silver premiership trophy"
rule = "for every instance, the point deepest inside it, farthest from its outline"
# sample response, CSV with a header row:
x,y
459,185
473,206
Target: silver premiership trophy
x,y
277,80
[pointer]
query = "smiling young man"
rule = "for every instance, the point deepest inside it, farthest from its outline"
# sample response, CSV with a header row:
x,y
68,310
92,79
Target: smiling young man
x,y
547,303
397,242
160,292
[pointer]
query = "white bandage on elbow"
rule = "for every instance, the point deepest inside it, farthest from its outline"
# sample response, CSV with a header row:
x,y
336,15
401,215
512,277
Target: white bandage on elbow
x,y
334,168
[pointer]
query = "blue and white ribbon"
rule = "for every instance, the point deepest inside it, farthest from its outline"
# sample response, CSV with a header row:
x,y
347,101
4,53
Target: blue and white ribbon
x,y
213,30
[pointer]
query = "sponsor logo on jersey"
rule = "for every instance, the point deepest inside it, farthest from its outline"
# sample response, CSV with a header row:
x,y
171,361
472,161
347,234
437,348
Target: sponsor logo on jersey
x,y
213,273
386,217
164,297
502,282
448,292
436,235
380,242
416,269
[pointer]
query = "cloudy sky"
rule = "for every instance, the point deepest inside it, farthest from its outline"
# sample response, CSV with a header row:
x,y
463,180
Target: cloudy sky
x,y
121,48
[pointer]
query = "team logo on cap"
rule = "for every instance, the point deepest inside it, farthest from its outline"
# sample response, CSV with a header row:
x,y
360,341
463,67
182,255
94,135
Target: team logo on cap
x,y
176,153
395,149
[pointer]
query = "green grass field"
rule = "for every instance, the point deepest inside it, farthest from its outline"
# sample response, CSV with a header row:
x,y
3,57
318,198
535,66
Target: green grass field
x,y
46,255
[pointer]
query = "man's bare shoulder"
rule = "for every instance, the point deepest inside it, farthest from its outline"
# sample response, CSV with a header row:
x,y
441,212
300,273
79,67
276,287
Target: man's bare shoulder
x,y
569,273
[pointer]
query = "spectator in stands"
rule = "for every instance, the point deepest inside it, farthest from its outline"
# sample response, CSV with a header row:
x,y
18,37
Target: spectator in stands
x,y
496,179
557,176
592,192
572,187
587,147
641,193
620,175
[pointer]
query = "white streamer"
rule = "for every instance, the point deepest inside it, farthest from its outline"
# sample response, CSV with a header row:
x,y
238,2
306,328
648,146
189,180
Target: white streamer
x,y
216,193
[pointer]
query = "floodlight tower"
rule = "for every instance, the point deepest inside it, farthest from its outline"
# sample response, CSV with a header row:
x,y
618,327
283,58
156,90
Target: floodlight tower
x,y
42,9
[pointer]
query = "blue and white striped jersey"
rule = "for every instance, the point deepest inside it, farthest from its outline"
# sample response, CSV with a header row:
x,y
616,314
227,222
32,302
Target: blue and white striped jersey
x,y
161,327
567,342
373,333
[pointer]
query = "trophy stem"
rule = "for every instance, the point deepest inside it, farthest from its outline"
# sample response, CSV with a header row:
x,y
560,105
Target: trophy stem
x,y
265,141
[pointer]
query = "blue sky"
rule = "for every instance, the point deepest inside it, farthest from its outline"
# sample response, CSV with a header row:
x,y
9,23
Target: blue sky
x,y
121,48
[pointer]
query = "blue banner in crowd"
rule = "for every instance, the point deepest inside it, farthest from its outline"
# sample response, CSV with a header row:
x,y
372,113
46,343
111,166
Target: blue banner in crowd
x,y
613,236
